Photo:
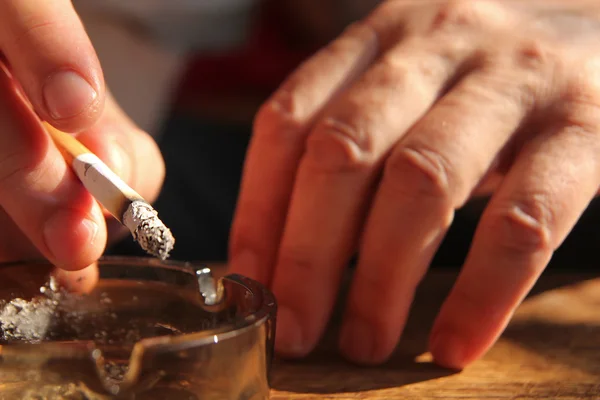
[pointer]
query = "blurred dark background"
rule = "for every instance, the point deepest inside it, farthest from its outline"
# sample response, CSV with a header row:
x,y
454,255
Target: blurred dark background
x,y
194,79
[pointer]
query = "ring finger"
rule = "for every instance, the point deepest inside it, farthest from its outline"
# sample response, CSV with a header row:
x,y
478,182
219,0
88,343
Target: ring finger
x,y
429,174
551,183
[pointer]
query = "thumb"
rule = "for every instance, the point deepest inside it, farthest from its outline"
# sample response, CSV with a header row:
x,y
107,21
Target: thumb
x,y
52,57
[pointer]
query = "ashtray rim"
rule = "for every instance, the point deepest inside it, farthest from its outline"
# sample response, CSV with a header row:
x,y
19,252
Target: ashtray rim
x,y
265,312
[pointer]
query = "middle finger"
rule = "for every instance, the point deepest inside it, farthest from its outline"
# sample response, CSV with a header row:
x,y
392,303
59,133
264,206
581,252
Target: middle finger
x,y
341,163
428,175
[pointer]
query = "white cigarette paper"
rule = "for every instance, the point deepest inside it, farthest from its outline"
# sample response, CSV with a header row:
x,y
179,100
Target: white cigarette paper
x,y
106,186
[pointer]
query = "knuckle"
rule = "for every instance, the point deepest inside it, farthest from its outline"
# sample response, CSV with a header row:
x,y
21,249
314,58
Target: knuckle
x,y
419,61
525,226
415,72
530,67
399,72
535,55
338,146
423,172
281,119
452,14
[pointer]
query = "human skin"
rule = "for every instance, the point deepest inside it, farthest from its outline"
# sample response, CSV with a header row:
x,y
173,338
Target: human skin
x,y
371,145
49,71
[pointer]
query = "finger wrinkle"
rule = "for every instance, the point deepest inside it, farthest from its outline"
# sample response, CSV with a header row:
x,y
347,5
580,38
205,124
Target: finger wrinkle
x,y
24,165
423,173
339,146
283,119
524,226
43,178
29,31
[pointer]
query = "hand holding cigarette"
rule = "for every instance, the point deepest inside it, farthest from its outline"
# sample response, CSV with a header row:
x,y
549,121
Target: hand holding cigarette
x,y
50,72
124,203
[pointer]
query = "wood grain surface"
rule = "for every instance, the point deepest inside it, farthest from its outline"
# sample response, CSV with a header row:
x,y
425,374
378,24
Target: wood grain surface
x,y
551,350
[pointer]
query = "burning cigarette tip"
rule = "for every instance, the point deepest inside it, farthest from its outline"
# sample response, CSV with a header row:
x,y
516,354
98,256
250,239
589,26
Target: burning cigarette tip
x,y
148,230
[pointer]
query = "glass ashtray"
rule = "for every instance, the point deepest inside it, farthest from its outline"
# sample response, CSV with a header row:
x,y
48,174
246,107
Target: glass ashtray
x,y
148,330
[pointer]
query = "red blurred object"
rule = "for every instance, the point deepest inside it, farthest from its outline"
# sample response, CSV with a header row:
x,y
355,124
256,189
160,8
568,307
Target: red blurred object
x,y
258,66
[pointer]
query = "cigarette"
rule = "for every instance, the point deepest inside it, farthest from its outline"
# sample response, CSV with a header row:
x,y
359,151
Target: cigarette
x,y
124,203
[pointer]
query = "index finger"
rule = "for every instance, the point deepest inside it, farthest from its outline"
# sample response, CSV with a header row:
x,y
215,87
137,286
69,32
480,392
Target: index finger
x,y
53,59
277,145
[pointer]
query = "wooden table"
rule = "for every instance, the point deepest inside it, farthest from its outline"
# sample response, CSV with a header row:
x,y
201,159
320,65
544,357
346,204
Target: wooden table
x,y
551,350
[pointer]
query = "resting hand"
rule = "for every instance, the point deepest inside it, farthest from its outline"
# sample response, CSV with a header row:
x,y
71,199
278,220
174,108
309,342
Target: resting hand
x,y
374,142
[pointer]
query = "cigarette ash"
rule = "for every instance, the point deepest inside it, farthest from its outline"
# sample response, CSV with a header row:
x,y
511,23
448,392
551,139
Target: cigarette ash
x,y
29,320
148,230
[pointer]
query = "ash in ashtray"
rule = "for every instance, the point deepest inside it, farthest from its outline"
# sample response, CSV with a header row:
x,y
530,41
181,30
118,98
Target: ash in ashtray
x,y
115,313
29,320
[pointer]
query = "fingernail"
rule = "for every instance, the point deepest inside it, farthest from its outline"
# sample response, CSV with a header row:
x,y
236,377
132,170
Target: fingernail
x,y
357,341
289,337
448,350
87,229
66,234
67,94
